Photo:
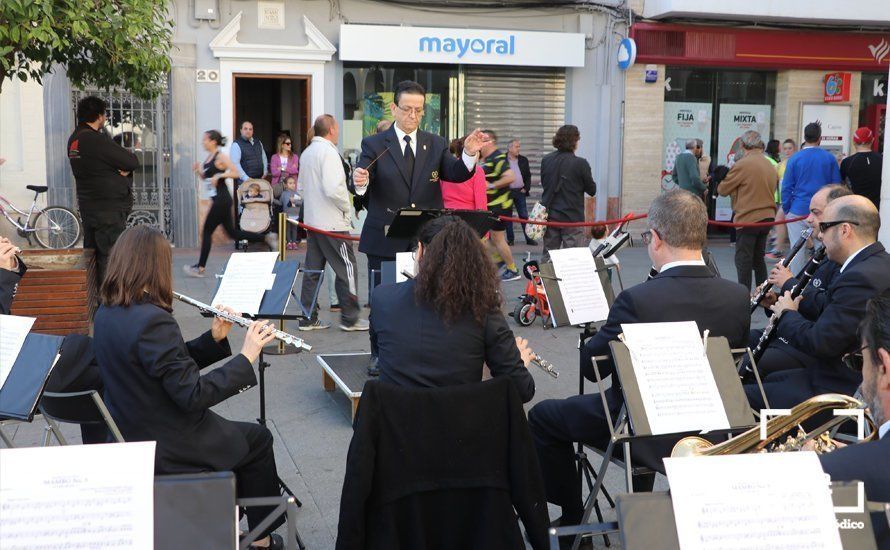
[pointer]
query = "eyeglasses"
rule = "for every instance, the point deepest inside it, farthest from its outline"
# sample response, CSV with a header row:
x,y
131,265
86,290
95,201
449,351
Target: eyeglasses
x,y
286,143
418,112
647,236
853,360
825,226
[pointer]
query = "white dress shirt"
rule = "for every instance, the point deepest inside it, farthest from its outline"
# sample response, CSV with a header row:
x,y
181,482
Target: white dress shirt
x,y
882,431
669,265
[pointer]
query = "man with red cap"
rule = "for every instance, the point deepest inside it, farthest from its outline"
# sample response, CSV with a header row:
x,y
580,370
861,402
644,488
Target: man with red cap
x,y
862,171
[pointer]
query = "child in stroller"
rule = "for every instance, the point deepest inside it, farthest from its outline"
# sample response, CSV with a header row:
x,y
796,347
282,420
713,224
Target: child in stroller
x,y
255,197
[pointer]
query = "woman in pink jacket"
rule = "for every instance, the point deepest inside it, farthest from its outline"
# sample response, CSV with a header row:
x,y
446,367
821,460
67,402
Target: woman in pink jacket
x,y
469,195
285,162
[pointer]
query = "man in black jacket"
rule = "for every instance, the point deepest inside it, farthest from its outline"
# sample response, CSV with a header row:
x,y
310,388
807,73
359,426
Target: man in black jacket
x,y
684,290
102,171
519,189
401,168
565,178
849,232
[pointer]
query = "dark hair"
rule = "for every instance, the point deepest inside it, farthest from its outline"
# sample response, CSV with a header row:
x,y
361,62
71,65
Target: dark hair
x,y
455,274
791,141
598,231
456,146
323,125
90,108
140,270
407,87
680,219
875,326
491,135
215,136
835,191
812,132
773,149
566,138
862,211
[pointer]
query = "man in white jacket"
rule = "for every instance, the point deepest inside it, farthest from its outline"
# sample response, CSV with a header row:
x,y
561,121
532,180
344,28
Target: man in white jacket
x,y
328,206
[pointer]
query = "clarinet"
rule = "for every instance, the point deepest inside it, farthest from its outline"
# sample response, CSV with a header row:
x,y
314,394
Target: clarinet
x,y
242,321
766,286
803,280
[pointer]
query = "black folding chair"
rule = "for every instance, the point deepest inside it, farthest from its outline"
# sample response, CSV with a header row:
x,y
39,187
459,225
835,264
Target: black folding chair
x,y
82,407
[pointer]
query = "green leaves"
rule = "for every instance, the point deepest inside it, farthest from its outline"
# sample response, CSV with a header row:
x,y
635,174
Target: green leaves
x,y
105,43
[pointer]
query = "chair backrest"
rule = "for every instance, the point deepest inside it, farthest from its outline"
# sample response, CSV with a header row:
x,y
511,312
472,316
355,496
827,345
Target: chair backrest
x,y
83,407
199,508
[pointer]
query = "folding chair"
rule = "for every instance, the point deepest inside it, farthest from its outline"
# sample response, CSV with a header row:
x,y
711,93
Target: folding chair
x,y
83,407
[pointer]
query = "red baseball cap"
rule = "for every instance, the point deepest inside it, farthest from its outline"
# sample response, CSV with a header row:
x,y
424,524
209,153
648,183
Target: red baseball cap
x,y
863,136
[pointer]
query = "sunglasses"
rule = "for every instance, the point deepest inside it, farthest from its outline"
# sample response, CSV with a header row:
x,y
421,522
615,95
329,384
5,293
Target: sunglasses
x,y
825,226
647,236
286,143
853,360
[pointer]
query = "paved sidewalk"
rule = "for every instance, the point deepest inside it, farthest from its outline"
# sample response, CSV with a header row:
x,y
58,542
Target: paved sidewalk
x,y
312,428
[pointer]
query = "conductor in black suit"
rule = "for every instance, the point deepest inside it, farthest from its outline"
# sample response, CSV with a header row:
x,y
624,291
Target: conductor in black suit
x,y
407,175
154,388
439,328
685,289
868,462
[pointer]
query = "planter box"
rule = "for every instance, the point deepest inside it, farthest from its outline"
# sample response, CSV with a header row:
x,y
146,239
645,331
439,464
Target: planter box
x,y
58,289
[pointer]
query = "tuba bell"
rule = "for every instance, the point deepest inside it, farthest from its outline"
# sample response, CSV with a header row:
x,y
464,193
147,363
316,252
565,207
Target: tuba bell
x,y
776,428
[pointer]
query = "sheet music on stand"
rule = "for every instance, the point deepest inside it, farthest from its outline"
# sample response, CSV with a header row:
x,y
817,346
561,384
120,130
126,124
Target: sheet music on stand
x,y
32,361
78,496
579,285
247,278
13,331
770,500
404,264
677,385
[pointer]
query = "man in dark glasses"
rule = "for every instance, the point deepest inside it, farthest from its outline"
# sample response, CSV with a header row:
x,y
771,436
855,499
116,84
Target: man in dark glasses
x,y
849,231
870,462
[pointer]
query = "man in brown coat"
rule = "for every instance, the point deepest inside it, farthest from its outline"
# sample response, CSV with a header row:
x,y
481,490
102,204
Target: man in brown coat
x,y
752,185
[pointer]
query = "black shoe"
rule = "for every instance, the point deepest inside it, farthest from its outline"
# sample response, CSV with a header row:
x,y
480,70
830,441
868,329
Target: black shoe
x,y
335,307
509,243
531,242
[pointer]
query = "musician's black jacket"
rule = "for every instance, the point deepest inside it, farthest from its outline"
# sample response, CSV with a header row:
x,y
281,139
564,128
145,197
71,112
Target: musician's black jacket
x,y
9,283
815,295
833,332
154,389
682,293
390,186
415,347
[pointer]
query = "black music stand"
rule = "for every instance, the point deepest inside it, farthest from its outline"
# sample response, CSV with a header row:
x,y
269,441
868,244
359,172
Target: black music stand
x,y
408,221
23,387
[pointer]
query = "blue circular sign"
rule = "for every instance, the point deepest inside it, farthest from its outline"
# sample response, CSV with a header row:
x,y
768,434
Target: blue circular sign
x,y
627,53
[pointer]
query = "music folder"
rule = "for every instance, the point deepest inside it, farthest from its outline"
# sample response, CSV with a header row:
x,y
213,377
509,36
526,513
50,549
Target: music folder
x,y
408,221
27,378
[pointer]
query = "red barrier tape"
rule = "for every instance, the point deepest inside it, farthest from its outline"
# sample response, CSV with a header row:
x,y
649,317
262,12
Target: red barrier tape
x,y
328,233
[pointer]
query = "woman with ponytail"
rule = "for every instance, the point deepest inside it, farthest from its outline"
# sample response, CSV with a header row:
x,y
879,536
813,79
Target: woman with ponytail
x,y
441,327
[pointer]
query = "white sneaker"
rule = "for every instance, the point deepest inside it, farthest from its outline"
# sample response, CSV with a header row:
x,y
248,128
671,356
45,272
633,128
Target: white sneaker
x,y
359,325
192,271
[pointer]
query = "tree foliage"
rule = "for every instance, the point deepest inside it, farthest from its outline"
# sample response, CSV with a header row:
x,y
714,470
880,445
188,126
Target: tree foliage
x,y
106,43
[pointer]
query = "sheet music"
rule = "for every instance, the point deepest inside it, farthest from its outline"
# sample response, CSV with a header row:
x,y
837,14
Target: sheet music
x,y
246,279
13,330
78,496
676,382
776,501
404,264
580,286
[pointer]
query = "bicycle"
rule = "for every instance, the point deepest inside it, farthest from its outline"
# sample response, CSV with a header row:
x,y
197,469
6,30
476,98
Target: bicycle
x,y
53,226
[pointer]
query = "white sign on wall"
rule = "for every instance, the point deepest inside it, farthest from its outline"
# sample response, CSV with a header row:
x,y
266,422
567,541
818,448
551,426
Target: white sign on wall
x,y
835,120
379,43
736,119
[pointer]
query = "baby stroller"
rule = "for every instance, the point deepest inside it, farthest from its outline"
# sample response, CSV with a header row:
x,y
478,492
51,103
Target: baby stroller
x,y
256,213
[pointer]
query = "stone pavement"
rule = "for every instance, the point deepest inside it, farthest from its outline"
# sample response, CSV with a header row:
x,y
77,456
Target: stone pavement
x,y
312,428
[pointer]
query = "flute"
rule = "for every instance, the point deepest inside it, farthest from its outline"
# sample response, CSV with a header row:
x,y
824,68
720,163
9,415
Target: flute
x,y
766,286
242,321
544,364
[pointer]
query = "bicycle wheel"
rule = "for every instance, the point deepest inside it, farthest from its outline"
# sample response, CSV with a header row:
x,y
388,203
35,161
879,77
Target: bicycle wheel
x,y
57,227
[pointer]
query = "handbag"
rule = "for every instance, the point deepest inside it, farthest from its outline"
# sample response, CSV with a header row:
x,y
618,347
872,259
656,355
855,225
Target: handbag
x,y
539,212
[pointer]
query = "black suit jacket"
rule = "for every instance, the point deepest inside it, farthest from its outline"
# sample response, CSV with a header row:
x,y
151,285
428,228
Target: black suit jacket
x,y
391,187
154,389
9,283
526,173
834,331
415,347
682,293
565,202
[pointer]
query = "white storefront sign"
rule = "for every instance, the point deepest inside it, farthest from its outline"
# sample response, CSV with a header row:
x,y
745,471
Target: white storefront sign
x,y
392,44
835,121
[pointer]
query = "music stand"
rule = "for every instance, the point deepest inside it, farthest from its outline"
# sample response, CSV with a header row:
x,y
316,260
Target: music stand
x,y
408,221
23,387
551,282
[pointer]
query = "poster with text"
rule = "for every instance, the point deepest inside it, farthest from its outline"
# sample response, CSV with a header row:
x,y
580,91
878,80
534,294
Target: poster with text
x,y
682,121
835,121
735,120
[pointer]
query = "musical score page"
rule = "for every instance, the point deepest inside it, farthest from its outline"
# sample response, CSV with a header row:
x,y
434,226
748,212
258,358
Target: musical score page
x,y
676,382
579,284
13,331
748,501
404,264
247,277
78,496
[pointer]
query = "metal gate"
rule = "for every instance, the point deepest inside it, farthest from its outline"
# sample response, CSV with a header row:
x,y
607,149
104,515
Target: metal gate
x,y
141,126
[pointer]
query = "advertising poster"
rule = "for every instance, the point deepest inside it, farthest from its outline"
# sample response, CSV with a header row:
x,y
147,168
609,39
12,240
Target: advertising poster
x,y
682,121
735,120
375,107
835,120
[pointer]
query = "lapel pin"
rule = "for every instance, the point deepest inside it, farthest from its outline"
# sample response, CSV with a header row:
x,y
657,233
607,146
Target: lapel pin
x,y
424,146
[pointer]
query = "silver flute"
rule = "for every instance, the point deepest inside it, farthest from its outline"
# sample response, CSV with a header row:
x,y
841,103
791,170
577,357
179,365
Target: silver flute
x,y
242,321
544,364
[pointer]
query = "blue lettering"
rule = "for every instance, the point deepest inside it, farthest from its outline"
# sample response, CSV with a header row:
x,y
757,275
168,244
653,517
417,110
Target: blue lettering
x,y
502,47
477,42
462,46
448,45
430,44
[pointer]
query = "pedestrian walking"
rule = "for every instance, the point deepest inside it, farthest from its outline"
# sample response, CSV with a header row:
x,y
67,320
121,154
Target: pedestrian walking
x,y
520,188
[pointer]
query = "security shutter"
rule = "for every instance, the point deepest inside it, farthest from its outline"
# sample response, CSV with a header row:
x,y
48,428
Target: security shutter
x,y
523,103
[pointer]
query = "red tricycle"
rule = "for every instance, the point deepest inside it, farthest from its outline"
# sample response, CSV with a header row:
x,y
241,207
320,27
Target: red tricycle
x,y
534,301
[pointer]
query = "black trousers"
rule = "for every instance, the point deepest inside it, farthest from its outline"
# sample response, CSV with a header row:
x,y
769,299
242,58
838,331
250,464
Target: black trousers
x,y
220,213
375,279
750,247
101,229
780,356
521,206
255,474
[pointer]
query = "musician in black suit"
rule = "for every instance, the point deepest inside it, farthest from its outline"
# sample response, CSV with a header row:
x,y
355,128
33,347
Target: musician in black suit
x,y
407,175
849,232
868,462
779,355
154,388
439,328
684,290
